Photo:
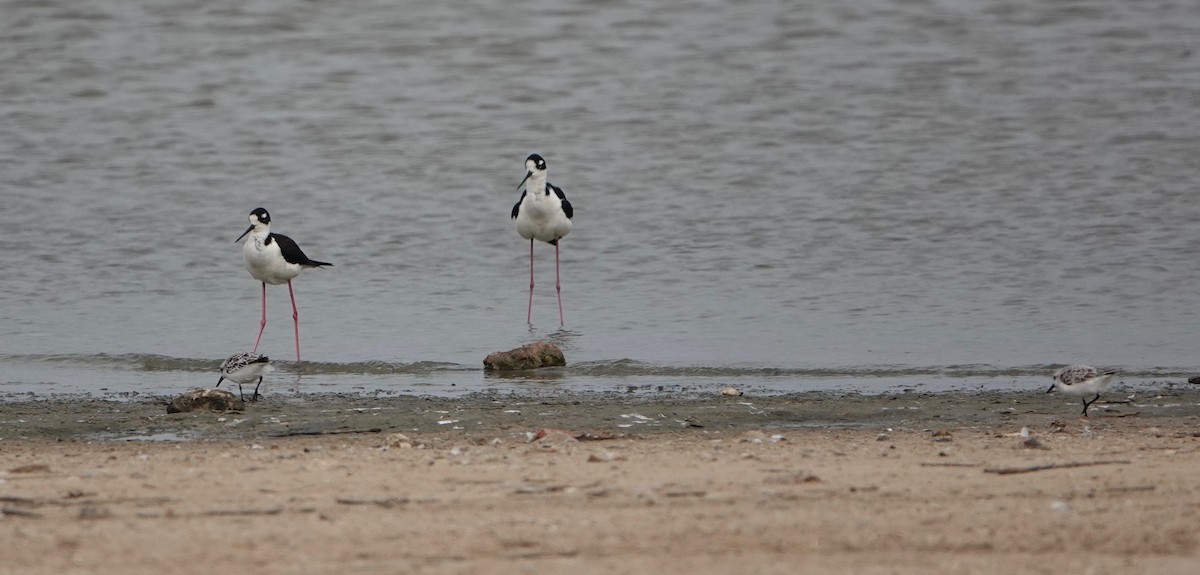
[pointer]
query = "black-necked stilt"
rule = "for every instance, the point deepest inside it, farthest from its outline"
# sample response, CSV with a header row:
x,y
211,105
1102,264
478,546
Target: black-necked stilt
x,y
244,368
274,259
543,213
1082,381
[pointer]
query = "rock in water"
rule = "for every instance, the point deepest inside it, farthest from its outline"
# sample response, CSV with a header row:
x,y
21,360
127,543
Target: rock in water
x,y
531,356
206,400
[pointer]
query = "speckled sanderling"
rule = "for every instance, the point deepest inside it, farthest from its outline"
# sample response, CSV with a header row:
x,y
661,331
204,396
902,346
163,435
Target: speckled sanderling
x,y
1082,381
244,368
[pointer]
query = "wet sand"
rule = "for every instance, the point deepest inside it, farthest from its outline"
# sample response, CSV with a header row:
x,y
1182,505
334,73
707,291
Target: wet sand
x,y
632,483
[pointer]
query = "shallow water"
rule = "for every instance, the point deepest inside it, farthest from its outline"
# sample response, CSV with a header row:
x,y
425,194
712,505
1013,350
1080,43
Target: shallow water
x,y
769,194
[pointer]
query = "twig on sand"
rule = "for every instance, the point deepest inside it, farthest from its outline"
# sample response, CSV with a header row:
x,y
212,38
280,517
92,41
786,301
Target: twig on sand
x,y
946,464
172,514
326,432
1011,470
18,512
385,503
61,476
31,502
1131,488
239,512
585,436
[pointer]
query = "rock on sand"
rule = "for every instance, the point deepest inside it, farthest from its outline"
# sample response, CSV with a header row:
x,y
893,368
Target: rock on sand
x,y
206,400
531,356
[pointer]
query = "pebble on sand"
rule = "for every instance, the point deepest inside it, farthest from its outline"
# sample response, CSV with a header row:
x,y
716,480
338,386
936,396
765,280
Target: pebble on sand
x,y
554,439
206,400
530,356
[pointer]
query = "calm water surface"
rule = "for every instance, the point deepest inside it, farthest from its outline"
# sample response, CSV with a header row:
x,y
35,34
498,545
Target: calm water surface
x,y
779,195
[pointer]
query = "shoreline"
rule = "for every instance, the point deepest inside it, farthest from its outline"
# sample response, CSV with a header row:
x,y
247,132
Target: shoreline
x,y
145,417
126,376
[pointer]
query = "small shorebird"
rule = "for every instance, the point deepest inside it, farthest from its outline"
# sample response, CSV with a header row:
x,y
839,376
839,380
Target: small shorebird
x,y
543,213
273,259
244,368
1082,381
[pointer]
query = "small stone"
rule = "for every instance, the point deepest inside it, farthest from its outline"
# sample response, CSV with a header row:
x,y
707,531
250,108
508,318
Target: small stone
x,y
1194,379
550,436
604,457
206,400
397,441
530,356
755,437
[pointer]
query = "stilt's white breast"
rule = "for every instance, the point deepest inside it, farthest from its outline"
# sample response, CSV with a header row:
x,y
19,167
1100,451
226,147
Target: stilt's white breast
x,y
265,261
541,216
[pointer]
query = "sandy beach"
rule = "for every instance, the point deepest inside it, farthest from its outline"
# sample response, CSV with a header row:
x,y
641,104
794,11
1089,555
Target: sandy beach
x,y
616,484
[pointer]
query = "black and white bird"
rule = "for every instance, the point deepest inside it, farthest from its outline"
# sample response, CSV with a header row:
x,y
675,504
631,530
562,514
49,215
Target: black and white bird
x,y
274,259
543,213
1082,381
244,368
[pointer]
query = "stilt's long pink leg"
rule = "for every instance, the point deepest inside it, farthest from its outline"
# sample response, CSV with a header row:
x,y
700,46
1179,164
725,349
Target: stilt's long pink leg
x,y
295,319
262,324
558,286
529,314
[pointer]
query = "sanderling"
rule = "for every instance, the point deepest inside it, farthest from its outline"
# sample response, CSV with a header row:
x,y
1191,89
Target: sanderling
x,y
245,368
1082,381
